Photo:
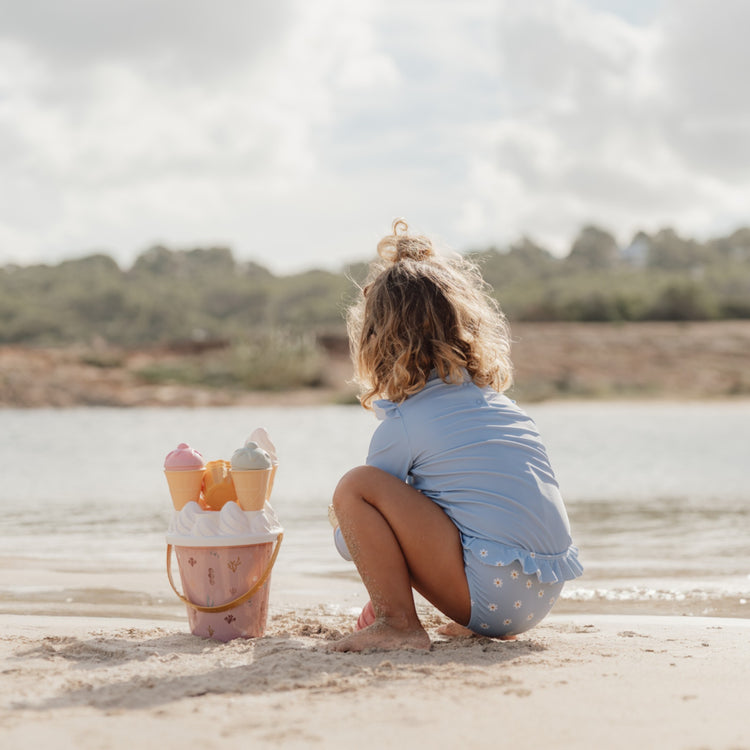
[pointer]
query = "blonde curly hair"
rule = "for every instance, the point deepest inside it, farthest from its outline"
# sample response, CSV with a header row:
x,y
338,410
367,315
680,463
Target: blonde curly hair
x,y
420,312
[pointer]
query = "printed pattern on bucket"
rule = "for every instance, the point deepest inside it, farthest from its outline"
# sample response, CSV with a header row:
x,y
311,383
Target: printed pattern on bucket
x,y
212,576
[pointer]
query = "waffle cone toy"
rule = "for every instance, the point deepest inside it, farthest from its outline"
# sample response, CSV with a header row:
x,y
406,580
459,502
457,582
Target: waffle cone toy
x,y
253,487
183,468
184,485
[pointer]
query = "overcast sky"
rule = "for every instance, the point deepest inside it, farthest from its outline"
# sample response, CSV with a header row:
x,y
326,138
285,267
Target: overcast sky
x,y
294,131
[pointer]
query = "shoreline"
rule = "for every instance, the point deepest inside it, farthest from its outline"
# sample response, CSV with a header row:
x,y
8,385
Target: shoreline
x,y
573,681
603,361
111,589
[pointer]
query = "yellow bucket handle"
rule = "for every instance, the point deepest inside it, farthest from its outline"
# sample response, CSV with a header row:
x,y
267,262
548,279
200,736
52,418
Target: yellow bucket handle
x,y
235,602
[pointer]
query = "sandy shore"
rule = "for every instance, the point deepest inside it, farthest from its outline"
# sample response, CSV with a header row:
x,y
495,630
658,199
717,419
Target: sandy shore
x,y
552,360
577,681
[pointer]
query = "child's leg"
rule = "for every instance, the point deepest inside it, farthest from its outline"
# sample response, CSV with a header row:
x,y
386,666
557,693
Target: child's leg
x,y
399,539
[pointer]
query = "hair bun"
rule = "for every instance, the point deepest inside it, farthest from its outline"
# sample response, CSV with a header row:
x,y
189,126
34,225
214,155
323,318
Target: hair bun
x,y
404,246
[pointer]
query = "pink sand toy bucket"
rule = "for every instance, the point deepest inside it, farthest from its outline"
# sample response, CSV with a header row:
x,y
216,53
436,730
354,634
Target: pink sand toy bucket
x,y
225,560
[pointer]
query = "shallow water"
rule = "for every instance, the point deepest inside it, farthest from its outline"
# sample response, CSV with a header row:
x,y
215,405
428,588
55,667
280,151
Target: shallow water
x,y
656,492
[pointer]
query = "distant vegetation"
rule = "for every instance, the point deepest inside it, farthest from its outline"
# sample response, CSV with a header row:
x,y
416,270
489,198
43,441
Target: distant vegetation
x,y
204,294
657,277
167,296
205,297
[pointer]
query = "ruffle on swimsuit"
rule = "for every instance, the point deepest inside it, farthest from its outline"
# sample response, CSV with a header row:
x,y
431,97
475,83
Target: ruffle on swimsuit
x,y
548,568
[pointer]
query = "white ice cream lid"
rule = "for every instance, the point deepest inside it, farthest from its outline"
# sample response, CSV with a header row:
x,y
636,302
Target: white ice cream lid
x,y
229,527
251,456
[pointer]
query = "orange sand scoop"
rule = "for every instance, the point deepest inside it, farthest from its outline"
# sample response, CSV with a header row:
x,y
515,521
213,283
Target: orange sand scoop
x,y
218,488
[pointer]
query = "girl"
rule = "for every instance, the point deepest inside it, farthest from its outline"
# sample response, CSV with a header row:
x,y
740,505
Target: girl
x,y
457,500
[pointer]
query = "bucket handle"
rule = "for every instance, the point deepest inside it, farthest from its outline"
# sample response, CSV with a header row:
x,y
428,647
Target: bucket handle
x,y
235,602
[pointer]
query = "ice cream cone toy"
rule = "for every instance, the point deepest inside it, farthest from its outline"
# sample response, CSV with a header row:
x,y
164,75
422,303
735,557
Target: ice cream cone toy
x,y
218,488
184,486
271,479
184,470
251,487
260,436
251,472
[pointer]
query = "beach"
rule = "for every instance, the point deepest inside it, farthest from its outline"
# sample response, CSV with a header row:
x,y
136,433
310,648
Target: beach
x,y
576,681
96,658
650,648
551,360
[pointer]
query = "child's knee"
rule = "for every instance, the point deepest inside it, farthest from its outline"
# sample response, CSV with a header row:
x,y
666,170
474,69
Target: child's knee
x,y
355,485
356,479
349,485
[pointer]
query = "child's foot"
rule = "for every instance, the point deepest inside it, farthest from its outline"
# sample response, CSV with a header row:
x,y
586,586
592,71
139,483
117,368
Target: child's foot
x,y
366,617
381,635
454,630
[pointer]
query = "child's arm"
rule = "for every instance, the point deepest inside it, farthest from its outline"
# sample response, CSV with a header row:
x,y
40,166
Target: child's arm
x,y
389,448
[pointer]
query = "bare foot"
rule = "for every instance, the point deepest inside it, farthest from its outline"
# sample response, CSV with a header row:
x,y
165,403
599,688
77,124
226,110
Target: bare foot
x,y
454,630
381,635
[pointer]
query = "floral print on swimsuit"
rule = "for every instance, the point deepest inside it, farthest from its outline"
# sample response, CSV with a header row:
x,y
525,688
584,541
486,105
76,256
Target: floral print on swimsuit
x,y
505,600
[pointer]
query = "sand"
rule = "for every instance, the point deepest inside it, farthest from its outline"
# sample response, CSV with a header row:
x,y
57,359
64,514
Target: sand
x,y
552,360
576,681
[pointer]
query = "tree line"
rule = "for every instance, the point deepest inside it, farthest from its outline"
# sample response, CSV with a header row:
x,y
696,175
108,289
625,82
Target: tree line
x,y
205,294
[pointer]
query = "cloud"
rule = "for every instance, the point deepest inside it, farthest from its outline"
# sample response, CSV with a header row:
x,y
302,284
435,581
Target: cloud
x,y
576,126
603,122
196,40
295,132
704,53
115,147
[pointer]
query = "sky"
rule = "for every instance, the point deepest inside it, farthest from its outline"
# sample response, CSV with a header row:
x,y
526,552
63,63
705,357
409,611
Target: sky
x,y
295,131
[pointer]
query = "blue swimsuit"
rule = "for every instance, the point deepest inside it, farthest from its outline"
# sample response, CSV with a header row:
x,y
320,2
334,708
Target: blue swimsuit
x,y
480,458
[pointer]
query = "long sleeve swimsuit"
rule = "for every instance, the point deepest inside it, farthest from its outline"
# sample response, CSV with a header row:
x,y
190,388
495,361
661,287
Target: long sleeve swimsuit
x,y
481,459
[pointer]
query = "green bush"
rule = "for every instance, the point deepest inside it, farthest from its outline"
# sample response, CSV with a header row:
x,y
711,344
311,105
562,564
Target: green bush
x,y
275,361
684,301
203,294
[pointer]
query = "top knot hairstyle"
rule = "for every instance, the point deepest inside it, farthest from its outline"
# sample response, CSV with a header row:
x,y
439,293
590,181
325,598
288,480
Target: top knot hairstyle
x,y
402,246
420,312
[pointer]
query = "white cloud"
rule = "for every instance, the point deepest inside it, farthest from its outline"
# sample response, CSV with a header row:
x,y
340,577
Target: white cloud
x,y
704,55
129,158
294,132
199,40
602,124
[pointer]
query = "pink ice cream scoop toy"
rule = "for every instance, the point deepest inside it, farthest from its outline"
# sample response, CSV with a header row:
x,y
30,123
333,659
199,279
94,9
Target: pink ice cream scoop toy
x,y
183,458
184,468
